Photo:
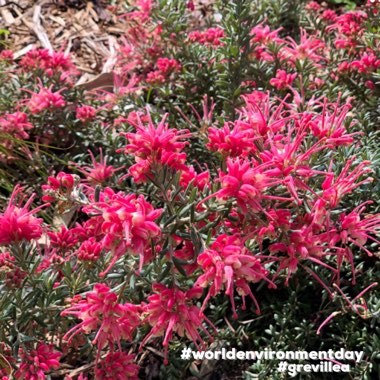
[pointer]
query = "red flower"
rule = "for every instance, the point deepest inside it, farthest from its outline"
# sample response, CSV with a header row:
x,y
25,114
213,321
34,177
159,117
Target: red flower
x,y
85,113
45,99
117,366
36,363
228,264
282,80
154,147
16,124
18,223
102,312
171,310
127,224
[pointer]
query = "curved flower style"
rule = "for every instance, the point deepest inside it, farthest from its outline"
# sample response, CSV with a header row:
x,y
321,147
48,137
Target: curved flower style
x,y
127,224
18,223
99,173
171,311
246,182
45,99
117,366
102,312
229,264
155,147
36,363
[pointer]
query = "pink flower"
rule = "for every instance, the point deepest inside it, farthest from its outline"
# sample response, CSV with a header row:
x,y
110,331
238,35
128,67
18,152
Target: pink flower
x,y
51,62
6,55
233,139
155,77
99,173
101,312
60,186
155,147
309,47
16,124
85,113
335,188
228,264
18,223
313,6
368,63
199,180
329,15
117,366
166,66
62,240
246,182
127,224
283,80
37,363
330,125
209,37
45,99
356,230
90,250
171,311
262,34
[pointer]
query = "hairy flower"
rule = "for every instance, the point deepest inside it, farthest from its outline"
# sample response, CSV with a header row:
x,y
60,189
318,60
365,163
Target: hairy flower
x,y
282,80
172,311
155,147
45,99
228,265
17,222
101,312
127,224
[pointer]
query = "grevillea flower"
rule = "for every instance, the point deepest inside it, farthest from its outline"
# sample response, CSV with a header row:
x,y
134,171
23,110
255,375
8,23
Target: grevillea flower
x,y
283,80
35,364
356,230
232,142
6,56
45,99
330,125
199,180
50,61
246,182
262,34
99,173
117,366
335,188
17,222
90,250
166,66
367,63
60,186
309,47
172,311
360,309
16,124
101,312
85,113
155,147
127,224
211,37
62,240
228,265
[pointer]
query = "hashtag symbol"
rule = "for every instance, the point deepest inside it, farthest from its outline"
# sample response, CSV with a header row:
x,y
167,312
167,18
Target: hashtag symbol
x,y
282,366
186,353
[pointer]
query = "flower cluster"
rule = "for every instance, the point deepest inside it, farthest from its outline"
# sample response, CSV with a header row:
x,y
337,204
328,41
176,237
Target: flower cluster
x,y
227,172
